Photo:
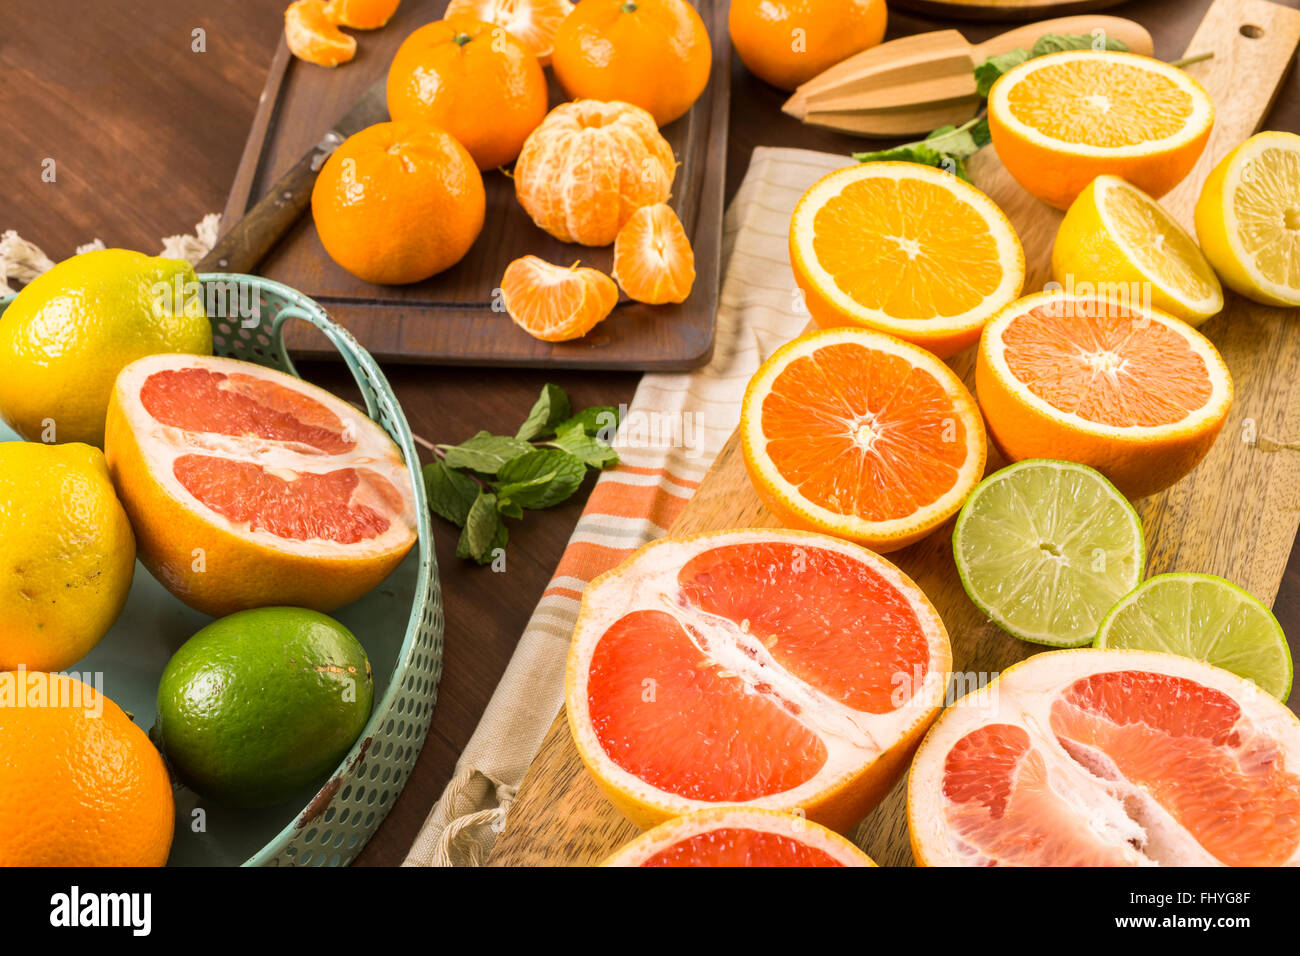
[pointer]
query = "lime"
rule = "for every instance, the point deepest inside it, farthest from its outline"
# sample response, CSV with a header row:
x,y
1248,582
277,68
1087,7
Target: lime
x,y
1045,548
260,704
70,331
1205,617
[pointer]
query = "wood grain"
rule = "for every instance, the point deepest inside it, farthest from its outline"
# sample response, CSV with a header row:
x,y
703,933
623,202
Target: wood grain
x,y
1235,515
450,318
1002,9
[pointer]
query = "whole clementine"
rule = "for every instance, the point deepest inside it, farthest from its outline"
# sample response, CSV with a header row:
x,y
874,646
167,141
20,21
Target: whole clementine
x,y
474,80
80,784
788,42
654,54
399,202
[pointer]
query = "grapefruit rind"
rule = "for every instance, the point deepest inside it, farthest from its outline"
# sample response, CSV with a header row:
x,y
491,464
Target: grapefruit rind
x,y
204,558
1022,695
964,571
830,306
857,773
786,501
806,832
1270,655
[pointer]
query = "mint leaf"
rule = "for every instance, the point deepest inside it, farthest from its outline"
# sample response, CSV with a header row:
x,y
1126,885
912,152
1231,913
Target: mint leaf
x,y
481,529
523,477
573,438
602,420
947,148
987,72
484,453
551,408
451,494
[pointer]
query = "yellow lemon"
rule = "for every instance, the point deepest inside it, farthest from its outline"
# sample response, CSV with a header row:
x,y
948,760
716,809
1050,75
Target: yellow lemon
x,y
70,331
1248,219
1120,242
67,554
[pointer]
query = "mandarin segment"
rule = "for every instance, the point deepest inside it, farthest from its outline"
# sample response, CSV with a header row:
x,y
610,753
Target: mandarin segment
x,y
315,38
361,14
589,167
653,259
553,303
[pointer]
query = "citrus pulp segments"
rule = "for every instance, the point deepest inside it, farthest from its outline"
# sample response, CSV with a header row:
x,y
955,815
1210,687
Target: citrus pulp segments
x,y
1248,211
1021,551
739,836
1139,459
221,554
828,715
943,334
786,499
1206,618
1115,757
1115,233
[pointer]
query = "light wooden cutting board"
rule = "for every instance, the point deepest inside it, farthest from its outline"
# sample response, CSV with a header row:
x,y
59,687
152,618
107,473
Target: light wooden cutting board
x,y
1236,515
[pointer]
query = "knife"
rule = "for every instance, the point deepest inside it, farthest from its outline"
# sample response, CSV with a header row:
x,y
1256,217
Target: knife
x,y
245,244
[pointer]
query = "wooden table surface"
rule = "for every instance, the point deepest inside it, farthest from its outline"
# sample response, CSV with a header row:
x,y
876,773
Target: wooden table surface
x,y
145,133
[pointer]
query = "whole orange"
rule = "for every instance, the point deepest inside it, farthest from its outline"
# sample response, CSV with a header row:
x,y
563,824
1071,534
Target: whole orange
x,y
788,42
654,54
399,202
474,80
80,784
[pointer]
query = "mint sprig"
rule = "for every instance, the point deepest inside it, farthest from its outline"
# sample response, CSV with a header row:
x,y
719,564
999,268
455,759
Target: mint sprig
x,y
488,478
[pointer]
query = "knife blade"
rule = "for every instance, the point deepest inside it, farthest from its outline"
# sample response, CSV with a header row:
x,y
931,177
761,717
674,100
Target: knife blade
x,y
244,244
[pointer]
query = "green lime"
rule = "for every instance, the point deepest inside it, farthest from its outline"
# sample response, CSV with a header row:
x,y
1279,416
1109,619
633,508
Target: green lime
x,y
1045,548
261,703
1205,617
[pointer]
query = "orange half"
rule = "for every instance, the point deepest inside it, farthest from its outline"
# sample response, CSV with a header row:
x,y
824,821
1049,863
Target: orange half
x,y
857,434
904,249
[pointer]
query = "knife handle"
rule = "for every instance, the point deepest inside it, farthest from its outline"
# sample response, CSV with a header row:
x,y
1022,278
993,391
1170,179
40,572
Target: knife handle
x,y
253,236
1133,35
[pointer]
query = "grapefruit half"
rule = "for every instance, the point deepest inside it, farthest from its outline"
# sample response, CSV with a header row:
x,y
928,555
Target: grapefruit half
x,y
1109,758
739,836
776,669
248,487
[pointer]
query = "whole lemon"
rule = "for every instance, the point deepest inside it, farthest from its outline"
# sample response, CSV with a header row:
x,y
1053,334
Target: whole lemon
x,y
67,554
70,331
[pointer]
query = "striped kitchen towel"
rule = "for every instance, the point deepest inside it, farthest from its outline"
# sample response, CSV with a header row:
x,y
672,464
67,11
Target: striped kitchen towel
x,y
670,434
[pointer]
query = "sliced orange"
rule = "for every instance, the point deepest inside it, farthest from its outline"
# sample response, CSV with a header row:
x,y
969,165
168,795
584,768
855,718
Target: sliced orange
x,y
1060,121
739,836
361,14
553,303
535,22
858,434
1122,387
905,249
1109,758
653,258
770,668
312,36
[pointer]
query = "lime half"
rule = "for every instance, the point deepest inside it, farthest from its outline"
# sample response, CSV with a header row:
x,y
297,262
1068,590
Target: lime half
x,y
1045,548
1205,617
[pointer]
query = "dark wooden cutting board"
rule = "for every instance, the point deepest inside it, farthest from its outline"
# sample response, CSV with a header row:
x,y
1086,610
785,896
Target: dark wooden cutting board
x,y
449,318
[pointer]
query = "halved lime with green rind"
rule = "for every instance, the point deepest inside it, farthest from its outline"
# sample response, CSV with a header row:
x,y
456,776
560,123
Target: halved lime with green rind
x,y
1045,548
1205,617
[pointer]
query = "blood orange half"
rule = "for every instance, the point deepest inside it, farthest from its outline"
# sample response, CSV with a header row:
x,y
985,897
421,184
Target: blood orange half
x,y
777,669
248,487
858,434
739,836
1109,758
1123,388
